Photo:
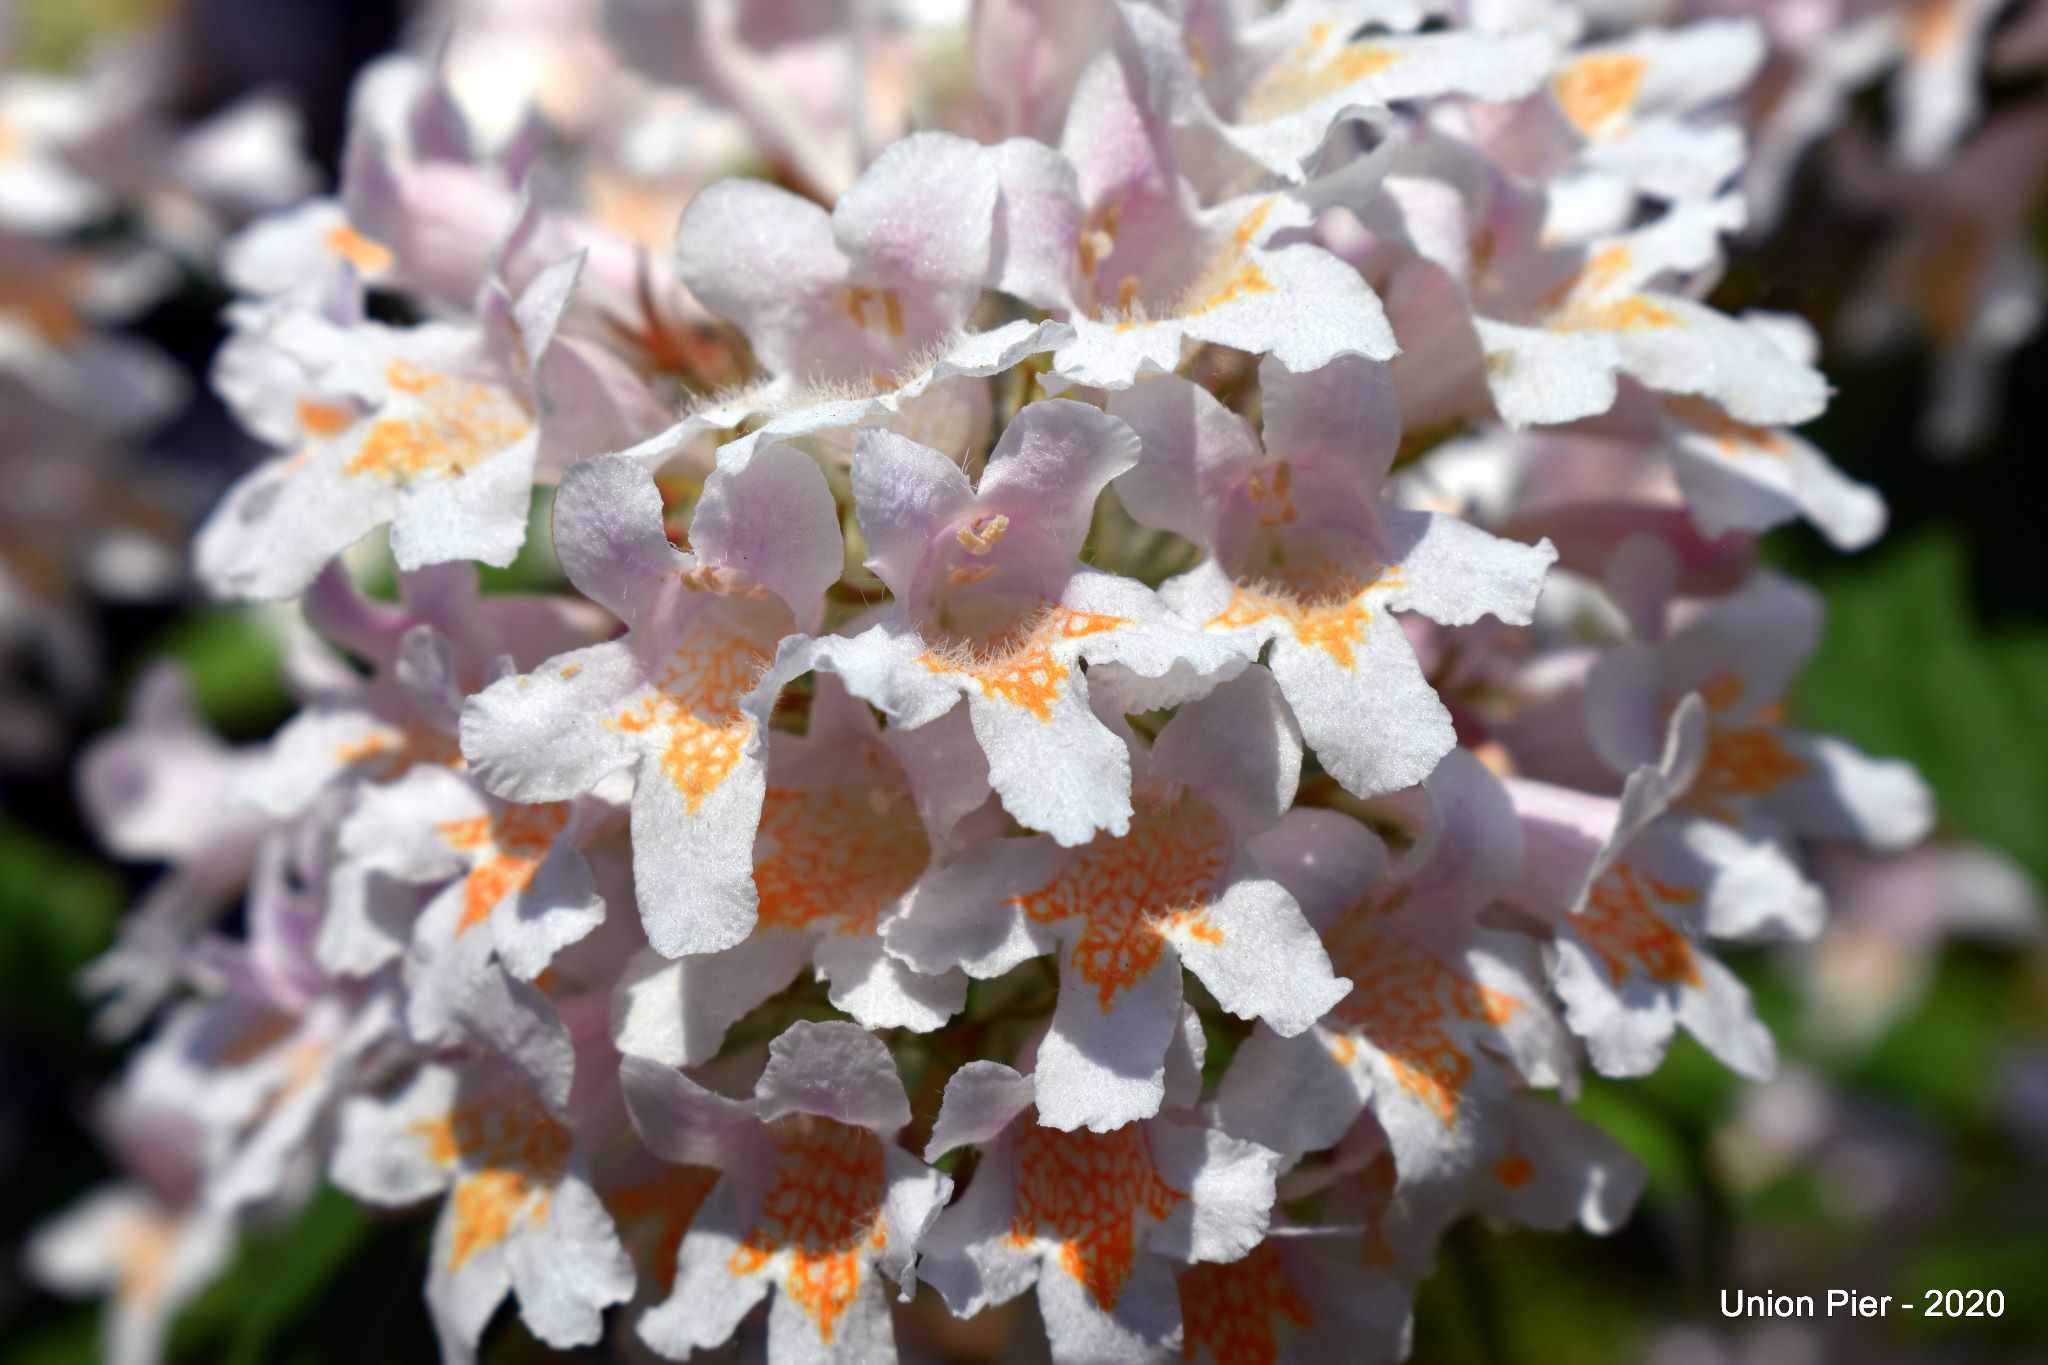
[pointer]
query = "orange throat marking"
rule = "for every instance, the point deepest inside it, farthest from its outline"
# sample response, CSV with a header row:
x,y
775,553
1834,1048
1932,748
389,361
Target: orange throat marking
x,y
1129,894
823,1206
1028,673
506,850
1086,1192
459,425
1332,618
1627,932
1235,1310
692,712
1406,1002
511,1152
839,857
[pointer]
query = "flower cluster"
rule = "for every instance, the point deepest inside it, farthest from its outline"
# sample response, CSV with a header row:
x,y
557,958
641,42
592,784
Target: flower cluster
x,y
1259,494
104,199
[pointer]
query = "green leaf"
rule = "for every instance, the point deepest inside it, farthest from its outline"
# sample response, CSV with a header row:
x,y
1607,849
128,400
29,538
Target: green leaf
x,y
57,910
1906,670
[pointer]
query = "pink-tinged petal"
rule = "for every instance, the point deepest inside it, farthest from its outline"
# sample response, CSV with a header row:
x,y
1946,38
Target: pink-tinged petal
x,y
1085,789
1326,860
277,527
1139,1326
907,494
385,1153
969,1255
839,1071
1122,155
772,517
1844,793
980,1101
917,225
1229,1185
693,863
1293,1095
880,991
961,914
1755,889
1038,224
709,1299
1260,958
1470,851
1027,56
1239,747
1103,1063
1759,636
1558,1170
1624,708
1454,573
1054,459
425,671
1342,415
1376,726
1193,447
766,259
676,1011
1151,658
540,736
571,1269
678,1119
610,538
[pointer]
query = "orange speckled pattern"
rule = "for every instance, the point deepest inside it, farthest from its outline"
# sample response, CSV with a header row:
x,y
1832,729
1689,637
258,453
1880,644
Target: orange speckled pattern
x,y
1405,1001
1741,762
505,851
1322,606
511,1153
839,857
1627,932
1232,1313
823,1206
1028,672
694,706
1129,892
458,425
1087,1192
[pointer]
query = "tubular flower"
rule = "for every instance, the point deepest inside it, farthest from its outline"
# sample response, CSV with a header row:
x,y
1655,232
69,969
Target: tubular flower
x,y
1269,494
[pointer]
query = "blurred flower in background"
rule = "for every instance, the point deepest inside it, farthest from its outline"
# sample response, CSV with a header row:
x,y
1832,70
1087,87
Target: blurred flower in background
x,y
714,598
